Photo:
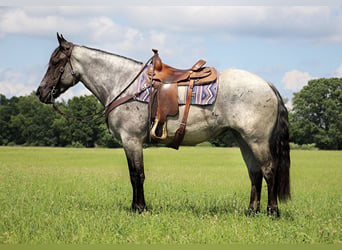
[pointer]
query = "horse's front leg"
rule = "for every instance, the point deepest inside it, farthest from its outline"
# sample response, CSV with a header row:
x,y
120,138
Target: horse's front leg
x,y
134,154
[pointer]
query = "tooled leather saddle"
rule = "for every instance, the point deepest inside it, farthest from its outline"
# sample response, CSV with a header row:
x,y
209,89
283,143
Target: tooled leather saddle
x,y
164,81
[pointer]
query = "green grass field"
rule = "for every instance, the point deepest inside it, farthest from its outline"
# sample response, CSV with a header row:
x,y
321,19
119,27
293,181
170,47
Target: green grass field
x,y
194,195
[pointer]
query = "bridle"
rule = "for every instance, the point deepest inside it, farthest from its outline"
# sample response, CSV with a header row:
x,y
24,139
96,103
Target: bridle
x,y
61,72
95,116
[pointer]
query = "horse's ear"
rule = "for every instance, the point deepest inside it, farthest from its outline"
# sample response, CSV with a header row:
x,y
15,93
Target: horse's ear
x,y
60,39
62,42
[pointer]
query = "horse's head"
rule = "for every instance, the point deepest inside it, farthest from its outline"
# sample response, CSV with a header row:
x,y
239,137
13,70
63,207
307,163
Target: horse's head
x,y
60,74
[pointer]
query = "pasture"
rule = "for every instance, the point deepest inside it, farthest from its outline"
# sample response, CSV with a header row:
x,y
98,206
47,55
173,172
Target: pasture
x,y
195,195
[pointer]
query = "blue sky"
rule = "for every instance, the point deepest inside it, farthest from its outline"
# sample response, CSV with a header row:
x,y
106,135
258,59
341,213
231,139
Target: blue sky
x,y
284,44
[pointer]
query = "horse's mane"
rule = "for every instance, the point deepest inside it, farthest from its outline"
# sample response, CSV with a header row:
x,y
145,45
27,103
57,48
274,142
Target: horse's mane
x,y
109,53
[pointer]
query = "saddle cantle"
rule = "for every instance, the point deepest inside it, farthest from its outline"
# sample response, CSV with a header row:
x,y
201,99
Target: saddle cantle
x,y
164,81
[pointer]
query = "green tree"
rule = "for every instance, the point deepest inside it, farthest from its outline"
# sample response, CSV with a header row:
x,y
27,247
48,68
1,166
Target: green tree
x,y
31,122
76,132
316,116
7,110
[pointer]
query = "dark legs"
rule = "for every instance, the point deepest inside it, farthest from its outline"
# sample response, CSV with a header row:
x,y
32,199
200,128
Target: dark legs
x,y
269,172
272,205
138,203
254,204
256,180
260,165
134,155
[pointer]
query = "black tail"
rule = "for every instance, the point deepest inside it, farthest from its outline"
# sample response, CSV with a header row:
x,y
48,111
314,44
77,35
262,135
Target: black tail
x,y
280,149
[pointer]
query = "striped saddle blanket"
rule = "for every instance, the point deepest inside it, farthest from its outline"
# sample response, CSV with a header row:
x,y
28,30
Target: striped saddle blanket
x,y
201,94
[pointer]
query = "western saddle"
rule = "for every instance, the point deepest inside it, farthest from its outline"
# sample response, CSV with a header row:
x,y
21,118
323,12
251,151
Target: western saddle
x,y
164,81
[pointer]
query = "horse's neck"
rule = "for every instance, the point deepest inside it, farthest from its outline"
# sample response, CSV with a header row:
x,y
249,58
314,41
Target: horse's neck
x,y
104,74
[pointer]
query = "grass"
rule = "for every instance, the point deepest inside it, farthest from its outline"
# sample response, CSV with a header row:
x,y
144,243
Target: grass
x,y
194,195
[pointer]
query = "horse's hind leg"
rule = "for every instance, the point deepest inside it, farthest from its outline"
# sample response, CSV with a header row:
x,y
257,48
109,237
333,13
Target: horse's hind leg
x,y
259,162
268,167
255,174
269,175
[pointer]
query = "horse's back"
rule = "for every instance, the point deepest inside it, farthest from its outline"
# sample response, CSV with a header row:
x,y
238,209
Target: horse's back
x,y
248,103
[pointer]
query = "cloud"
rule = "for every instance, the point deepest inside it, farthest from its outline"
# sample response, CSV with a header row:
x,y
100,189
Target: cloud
x,y
338,72
14,83
318,24
94,26
133,30
313,23
296,80
19,21
24,82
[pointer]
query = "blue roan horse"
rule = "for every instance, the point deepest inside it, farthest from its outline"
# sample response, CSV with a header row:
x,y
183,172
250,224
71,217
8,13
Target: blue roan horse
x,y
246,104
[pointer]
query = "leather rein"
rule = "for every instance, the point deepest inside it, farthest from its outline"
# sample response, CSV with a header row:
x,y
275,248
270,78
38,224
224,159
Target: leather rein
x,y
115,102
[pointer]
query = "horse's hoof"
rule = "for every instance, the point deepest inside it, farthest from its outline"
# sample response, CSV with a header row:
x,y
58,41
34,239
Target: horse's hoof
x,y
273,212
252,211
138,208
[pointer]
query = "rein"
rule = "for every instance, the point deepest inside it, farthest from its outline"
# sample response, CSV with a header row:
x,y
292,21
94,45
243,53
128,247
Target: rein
x,y
118,101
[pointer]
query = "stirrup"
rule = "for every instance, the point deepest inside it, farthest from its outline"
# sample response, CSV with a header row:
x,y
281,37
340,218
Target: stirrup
x,y
153,131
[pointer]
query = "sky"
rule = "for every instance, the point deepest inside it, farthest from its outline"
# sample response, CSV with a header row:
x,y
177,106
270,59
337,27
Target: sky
x,y
287,44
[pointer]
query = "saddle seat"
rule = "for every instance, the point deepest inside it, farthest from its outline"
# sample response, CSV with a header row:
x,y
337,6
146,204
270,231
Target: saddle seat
x,y
165,80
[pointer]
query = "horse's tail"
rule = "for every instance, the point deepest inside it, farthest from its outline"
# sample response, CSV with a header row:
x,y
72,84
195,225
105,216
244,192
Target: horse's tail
x,y
280,149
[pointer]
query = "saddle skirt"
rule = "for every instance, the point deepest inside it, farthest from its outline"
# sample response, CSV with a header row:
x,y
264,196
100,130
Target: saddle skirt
x,y
201,94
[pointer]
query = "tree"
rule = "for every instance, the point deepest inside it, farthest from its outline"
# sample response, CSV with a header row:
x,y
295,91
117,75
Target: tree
x,y
31,124
25,120
316,116
86,133
7,109
224,140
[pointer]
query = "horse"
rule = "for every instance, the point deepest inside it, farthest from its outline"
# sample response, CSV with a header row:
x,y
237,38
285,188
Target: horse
x,y
246,104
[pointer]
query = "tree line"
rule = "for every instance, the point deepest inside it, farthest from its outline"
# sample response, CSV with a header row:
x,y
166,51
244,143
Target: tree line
x,y
315,118
26,121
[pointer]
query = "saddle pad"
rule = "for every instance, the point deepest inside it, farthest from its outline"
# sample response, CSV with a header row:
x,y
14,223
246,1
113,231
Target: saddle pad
x,y
201,94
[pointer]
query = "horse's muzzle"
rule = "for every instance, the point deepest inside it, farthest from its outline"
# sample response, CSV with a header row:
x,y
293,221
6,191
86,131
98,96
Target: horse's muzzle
x,y
43,95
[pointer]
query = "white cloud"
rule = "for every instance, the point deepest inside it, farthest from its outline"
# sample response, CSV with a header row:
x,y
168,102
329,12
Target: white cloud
x,y
318,24
314,23
12,83
18,21
296,80
95,27
24,82
338,72
21,81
